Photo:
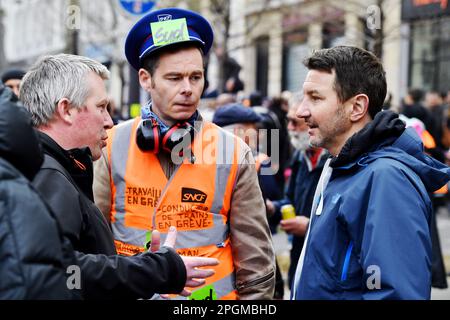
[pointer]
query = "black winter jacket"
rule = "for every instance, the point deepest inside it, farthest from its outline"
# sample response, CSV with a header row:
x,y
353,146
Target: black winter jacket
x,y
65,181
32,261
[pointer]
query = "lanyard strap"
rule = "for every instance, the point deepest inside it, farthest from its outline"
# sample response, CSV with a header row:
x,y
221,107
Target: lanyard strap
x,y
315,210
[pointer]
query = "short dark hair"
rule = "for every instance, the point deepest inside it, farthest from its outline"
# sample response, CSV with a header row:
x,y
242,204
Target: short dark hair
x,y
12,74
151,62
416,95
357,72
256,99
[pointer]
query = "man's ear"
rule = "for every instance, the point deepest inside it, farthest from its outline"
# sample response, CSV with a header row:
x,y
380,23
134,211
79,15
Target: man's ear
x,y
145,79
360,107
65,111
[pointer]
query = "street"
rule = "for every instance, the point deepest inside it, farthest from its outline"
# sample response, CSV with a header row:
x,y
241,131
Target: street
x,y
282,248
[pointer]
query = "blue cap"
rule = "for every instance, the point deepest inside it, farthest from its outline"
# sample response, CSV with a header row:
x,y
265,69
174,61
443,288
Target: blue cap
x,y
235,113
170,26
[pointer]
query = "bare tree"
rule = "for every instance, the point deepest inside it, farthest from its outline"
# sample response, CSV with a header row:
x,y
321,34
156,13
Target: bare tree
x,y
221,10
110,46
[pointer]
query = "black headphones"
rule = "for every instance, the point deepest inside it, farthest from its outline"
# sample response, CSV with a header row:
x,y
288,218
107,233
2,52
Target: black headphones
x,y
149,137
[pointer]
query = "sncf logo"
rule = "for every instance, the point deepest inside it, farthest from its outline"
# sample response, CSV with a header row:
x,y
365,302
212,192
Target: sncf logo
x,y
192,195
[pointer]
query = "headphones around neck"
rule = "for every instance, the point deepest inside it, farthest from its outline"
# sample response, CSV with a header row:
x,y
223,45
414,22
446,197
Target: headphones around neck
x,y
149,137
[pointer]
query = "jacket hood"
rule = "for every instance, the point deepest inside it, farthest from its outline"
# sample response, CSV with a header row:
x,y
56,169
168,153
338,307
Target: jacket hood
x,y
408,149
19,144
385,128
386,137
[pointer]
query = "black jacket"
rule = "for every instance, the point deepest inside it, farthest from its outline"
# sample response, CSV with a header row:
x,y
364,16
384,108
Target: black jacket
x,y
65,181
32,260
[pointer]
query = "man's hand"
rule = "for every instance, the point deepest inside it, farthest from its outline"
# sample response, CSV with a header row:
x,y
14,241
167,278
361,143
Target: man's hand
x,y
296,226
270,208
194,277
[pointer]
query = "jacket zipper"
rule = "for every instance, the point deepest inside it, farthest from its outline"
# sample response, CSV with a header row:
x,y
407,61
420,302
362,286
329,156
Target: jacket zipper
x,y
346,261
255,282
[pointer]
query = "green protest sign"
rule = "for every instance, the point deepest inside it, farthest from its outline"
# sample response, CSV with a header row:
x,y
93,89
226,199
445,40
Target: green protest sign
x,y
169,31
205,293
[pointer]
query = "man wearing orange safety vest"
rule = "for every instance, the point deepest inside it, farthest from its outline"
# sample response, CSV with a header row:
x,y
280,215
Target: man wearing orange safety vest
x,y
171,168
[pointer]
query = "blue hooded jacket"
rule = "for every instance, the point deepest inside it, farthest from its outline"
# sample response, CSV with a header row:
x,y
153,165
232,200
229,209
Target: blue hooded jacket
x,y
372,238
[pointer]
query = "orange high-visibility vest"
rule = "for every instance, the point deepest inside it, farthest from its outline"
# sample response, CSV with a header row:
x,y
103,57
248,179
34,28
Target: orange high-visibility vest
x,y
196,200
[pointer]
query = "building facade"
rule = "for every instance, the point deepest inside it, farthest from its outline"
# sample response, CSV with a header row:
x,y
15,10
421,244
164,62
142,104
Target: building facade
x,y
96,29
280,34
412,38
428,25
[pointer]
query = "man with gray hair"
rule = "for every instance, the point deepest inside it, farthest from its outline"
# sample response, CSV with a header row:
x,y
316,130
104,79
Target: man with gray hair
x,y
67,99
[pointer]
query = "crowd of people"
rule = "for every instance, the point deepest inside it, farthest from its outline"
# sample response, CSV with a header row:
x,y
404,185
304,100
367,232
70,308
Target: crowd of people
x,y
181,202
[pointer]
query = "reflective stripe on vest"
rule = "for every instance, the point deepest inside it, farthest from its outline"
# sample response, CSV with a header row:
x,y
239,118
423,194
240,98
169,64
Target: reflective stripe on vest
x,y
196,199
222,289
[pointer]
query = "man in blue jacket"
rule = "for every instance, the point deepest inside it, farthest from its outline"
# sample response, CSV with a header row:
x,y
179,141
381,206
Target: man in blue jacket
x,y
369,234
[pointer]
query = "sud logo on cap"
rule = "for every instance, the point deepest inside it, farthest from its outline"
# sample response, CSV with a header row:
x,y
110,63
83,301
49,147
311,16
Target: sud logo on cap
x,y
165,27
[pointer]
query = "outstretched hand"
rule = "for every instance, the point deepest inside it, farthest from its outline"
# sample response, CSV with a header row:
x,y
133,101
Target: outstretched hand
x,y
194,276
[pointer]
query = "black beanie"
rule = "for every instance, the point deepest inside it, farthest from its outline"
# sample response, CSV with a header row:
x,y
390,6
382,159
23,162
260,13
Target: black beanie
x,y
12,74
